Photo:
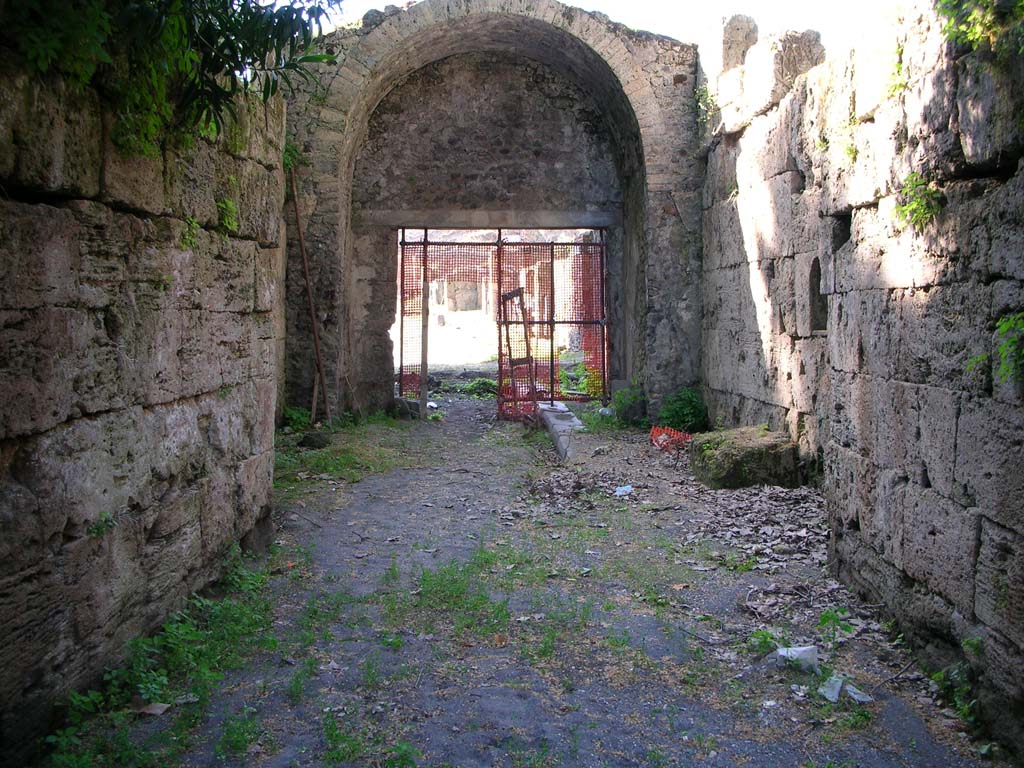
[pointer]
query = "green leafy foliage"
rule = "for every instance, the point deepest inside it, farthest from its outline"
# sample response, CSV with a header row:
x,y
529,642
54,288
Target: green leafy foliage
x,y
1010,331
481,388
630,404
190,237
186,659
762,642
920,201
101,526
898,80
955,686
168,67
832,623
296,418
685,411
227,216
996,24
292,157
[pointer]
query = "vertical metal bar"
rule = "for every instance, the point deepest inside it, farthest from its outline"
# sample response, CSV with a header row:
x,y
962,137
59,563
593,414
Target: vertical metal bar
x,y
500,315
425,325
551,324
604,324
401,315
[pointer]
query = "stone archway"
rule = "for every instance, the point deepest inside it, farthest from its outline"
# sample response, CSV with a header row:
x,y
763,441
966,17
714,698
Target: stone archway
x,y
643,87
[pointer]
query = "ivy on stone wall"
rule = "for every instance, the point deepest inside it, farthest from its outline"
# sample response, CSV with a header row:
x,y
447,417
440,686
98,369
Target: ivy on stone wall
x,y
168,68
996,24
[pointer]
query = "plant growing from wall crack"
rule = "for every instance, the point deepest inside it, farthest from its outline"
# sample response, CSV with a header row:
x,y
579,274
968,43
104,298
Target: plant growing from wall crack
x,y
1010,331
920,201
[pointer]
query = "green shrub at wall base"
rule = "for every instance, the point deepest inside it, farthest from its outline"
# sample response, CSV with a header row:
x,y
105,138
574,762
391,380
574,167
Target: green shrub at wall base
x,y
685,411
630,406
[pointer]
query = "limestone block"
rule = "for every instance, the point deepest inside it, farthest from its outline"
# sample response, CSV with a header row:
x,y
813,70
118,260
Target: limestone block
x,y
875,63
809,374
854,413
723,236
268,278
851,486
258,132
720,179
989,457
39,255
738,35
50,135
253,480
255,190
166,563
226,418
917,432
60,363
225,273
190,177
742,457
940,331
931,119
999,580
939,546
217,511
881,513
24,531
1003,211
863,332
988,103
134,182
773,65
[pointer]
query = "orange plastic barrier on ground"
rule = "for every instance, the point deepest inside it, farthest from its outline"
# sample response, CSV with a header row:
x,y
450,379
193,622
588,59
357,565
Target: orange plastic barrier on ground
x,y
666,438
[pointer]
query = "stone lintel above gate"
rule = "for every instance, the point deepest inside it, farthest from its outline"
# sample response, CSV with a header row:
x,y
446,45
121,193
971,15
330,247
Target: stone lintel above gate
x,y
487,219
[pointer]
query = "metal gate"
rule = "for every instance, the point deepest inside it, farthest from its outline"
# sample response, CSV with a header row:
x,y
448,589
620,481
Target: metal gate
x,y
547,301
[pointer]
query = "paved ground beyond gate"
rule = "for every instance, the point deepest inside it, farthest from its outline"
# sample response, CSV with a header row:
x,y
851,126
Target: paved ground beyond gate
x,y
485,606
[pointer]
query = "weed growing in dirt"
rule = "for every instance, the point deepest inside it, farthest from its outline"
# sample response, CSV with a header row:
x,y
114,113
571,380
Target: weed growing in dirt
x,y
373,445
761,642
184,660
238,733
832,623
342,746
300,680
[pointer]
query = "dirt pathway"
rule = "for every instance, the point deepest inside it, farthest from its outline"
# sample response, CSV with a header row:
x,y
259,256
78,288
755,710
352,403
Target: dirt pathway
x,y
485,606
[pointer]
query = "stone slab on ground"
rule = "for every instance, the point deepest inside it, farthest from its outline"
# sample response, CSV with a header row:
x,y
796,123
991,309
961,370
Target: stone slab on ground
x,y
738,458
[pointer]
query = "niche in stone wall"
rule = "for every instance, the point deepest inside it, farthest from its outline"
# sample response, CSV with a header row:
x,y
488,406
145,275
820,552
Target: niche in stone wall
x,y
816,299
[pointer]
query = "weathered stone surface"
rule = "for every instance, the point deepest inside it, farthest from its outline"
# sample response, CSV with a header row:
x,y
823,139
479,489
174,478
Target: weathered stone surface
x,y
999,581
737,458
738,35
141,350
50,136
921,442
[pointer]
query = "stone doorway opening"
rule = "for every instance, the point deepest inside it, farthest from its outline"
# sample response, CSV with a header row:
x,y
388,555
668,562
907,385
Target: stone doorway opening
x,y
525,308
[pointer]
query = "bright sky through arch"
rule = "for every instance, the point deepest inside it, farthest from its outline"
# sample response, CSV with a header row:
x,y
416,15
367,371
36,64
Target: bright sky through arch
x,y
841,25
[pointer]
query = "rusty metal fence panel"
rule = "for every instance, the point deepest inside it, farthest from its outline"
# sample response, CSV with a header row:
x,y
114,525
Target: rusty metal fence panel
x,y
551,346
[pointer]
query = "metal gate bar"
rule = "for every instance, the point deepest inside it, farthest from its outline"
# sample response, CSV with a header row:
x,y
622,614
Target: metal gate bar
x,y
564,317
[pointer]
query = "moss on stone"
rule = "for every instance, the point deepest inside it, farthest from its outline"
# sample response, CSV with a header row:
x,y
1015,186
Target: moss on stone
x,y
737,458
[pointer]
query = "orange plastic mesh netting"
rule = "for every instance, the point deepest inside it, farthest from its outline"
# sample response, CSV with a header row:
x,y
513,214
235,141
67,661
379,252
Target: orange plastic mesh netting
x,y
666,438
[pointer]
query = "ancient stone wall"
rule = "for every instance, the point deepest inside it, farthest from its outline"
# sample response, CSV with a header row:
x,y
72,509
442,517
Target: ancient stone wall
x,y
623,98
139,350
827,314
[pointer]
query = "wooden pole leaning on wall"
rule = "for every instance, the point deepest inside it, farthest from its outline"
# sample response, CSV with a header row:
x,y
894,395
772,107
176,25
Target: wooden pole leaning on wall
x,y
312,308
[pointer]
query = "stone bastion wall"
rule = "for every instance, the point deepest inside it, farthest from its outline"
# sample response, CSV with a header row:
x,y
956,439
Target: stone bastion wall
x,y
139,358
875,342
